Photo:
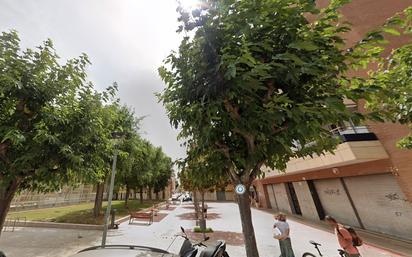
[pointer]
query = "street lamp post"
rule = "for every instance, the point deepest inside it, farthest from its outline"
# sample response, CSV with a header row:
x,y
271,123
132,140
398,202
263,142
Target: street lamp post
x,y
109,200
116,135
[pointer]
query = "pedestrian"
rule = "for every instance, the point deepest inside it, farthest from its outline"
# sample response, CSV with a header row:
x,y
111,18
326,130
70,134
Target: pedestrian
x,y
345,238
284,239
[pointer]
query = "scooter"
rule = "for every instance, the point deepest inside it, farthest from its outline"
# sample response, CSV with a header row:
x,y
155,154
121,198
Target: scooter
x,y
189,249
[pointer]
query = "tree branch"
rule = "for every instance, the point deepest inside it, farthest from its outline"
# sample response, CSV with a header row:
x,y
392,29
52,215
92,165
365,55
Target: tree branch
x,y
223,148
255,170
3,151
276,130
269,93
249,138
233,111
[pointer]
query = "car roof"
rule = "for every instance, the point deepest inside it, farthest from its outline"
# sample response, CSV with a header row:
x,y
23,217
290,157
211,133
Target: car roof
x,y
123,251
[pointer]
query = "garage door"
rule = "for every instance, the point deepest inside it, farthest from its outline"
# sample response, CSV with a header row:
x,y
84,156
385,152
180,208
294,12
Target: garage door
x,y
282,198
272,199
381,204
335,202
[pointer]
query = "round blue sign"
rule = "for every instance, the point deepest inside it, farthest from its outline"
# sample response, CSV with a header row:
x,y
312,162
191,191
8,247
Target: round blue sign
x,y
240,189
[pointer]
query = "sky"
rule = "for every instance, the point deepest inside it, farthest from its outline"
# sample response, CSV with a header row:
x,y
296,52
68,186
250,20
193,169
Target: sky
x,y
126,41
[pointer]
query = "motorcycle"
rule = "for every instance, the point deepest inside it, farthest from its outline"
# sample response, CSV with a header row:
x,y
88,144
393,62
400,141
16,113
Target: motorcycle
x,y
189,249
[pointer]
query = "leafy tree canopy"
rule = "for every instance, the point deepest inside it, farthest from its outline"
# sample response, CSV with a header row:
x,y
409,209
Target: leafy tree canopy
x,y
51,121
258,82
389,87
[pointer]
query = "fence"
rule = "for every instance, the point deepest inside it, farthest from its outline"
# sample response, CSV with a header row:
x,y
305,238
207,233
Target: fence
x,y
66,196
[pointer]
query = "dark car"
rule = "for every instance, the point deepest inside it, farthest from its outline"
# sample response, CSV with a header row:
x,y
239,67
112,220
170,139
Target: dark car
x,y
187,198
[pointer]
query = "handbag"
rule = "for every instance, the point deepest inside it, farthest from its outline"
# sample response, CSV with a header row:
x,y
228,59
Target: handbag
x,y
276,233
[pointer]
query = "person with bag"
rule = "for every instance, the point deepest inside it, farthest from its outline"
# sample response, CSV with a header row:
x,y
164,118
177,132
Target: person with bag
x,y
347,237
281,232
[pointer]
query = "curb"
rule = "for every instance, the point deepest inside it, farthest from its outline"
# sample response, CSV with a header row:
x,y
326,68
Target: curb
x,y
40,224
123,219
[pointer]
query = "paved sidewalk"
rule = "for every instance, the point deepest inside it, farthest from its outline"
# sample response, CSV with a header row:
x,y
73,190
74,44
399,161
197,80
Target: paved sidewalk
x,y
161,234
224,217
46,242
391,244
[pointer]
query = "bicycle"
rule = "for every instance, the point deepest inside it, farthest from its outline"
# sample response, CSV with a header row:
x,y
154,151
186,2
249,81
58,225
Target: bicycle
x,y
307,254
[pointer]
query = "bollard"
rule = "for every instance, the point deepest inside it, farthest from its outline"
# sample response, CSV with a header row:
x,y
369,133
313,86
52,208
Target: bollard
x,y
113,216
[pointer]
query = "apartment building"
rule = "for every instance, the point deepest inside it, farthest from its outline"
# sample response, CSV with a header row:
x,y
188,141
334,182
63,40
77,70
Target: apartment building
x,y
367,183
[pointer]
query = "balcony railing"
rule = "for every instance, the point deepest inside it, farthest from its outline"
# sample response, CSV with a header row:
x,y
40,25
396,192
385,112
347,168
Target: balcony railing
x,y
354,133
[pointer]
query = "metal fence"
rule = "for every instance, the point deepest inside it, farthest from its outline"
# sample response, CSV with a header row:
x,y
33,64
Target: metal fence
x,y
66,196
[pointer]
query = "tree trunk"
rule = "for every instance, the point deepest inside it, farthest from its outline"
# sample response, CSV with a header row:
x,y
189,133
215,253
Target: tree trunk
x,y
98,201
157,196
202,215
126,199
141,194
196,204
247,225
7,192
164,194
150,193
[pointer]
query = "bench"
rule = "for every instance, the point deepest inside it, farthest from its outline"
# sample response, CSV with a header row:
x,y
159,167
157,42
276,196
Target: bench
x,y
141,216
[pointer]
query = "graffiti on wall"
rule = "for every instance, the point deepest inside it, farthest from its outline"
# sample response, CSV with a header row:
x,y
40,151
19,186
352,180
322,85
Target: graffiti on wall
x,y
331,191
395,197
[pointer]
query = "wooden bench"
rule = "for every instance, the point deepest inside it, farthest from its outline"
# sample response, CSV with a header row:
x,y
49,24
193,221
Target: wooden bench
x,y
141,216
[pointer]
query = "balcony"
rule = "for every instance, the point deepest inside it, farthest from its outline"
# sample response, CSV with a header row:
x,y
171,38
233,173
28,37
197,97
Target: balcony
x,y
358,145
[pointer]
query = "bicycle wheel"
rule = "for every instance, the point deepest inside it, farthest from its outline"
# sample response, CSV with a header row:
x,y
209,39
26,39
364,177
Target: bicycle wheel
x,y
308,255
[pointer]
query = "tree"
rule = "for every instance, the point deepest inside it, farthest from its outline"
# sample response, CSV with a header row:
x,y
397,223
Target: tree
x,y
389,87
258,83
50,121
108,122
164,170
159,168
199,175
129,148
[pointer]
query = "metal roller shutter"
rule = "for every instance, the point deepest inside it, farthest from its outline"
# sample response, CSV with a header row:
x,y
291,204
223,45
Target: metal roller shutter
x,y
272,198
307,205
335,202
381,204
282,197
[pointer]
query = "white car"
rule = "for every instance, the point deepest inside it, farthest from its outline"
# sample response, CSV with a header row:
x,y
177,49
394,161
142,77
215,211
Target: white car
x,y
123,251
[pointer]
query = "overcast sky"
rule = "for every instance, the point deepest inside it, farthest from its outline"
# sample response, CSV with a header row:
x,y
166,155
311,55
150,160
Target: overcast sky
x,y
126,41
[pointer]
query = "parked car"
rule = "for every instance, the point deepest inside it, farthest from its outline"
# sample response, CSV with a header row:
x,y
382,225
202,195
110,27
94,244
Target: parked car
x,y
187,198
175,197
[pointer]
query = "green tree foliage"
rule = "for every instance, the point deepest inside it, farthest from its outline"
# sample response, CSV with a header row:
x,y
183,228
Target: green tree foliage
x,y
389,87
257,82
51,121
200,174
142,165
